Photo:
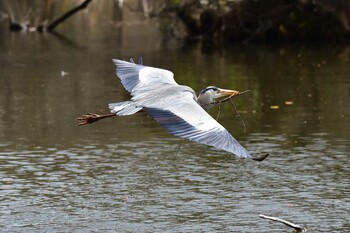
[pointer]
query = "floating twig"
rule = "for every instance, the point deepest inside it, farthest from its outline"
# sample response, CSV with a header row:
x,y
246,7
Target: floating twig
x,y
296,227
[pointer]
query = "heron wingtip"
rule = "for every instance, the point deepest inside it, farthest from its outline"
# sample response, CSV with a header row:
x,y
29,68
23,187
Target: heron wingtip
x,y
261,157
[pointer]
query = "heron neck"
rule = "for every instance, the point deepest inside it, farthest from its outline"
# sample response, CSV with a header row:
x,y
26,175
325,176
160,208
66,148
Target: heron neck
x,y
205,102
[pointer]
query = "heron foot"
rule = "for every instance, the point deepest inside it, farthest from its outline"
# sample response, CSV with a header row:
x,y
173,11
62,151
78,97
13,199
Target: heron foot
x,y
88,119
91,118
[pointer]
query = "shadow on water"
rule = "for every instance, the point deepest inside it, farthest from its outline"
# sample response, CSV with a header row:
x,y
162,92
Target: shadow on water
x,y
124,175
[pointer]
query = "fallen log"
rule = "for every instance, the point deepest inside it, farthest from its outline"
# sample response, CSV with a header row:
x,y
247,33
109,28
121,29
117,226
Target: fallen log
x,y
68,14
47,26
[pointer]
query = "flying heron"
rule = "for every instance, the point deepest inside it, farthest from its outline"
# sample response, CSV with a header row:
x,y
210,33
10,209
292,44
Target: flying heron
x,y
176,107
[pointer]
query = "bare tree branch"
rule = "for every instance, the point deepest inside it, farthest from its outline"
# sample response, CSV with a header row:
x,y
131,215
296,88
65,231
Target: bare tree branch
x,y
68,14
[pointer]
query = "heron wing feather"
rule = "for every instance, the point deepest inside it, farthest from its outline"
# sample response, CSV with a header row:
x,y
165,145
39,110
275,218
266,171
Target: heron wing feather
x,y
189,120
135,75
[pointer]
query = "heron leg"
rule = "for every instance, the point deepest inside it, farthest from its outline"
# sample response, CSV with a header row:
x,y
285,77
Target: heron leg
x,y
91,118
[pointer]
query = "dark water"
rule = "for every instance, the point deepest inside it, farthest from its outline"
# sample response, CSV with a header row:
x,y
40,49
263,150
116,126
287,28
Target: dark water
x,y
123,175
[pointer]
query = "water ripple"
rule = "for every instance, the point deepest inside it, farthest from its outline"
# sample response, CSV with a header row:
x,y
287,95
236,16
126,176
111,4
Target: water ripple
x,y
144,185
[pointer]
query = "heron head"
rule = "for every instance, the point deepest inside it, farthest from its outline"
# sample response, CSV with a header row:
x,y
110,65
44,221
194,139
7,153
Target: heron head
x,y
208,96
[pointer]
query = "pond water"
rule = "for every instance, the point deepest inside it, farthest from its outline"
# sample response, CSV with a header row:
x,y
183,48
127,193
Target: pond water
x,y
125,175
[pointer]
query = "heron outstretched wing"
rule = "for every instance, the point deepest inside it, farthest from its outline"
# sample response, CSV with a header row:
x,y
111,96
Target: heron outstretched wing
x,y
187,119
133,75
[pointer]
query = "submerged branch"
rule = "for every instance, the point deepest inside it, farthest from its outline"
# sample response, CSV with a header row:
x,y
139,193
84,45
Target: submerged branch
x,y
296,227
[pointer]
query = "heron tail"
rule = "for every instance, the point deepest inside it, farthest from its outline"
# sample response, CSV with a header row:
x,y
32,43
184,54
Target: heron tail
x,y
124,108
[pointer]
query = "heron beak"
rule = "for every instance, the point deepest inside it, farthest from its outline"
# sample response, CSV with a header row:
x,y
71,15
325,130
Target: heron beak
x,y
226,93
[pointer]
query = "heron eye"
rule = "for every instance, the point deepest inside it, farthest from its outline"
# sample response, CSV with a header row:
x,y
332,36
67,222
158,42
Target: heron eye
x,y
209,89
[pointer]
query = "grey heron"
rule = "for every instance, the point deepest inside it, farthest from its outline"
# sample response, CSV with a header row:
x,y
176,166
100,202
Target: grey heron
x,y
176,107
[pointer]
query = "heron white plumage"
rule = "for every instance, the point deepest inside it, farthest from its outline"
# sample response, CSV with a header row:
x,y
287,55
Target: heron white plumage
x,y
175,107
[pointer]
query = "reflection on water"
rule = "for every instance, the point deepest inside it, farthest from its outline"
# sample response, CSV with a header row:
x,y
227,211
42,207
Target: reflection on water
x,y
125,175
